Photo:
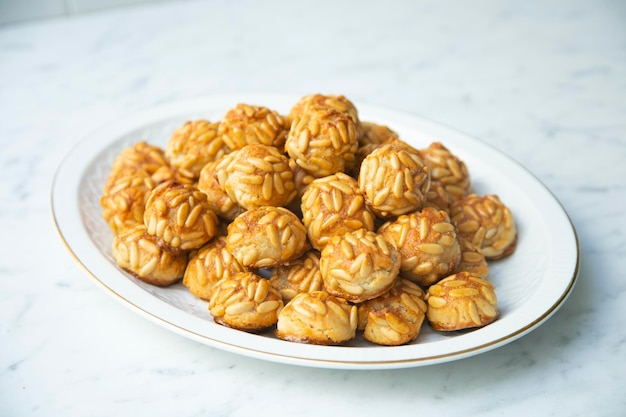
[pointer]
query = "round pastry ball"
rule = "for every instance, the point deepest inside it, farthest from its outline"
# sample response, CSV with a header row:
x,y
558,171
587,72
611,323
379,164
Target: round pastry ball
x,y
137,252
217,198
124,200
359,265
209,264
487,223
257,175
448,170
266,237
179,216
461,301
246,124
317,318
427,243
245,301
193,145
472,259
322,141
142,157
333,205
300,275
394,181
395,318
318,101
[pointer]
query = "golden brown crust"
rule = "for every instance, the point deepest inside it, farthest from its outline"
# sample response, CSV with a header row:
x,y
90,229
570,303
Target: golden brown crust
x,y
124,200
300,275
427,243
257,175
217,198
317,318
179,216
322,141
487,223
461,301
394,181
245,301
472,260
318,101
375,134
447,170
137,252
143,158
209,264
333,205
359,265
193,145
247,124
396,317
266,237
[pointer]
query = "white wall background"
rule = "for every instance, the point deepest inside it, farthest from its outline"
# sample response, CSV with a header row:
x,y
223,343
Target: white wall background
x,y
17,11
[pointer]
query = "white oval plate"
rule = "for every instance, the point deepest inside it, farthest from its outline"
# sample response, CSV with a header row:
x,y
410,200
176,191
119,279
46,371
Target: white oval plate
x,y
531,285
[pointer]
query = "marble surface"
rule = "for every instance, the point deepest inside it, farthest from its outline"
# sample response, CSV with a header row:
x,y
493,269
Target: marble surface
x,y
543,82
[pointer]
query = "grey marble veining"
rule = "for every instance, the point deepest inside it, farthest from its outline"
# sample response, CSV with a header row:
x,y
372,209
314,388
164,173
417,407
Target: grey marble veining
x,y
543,82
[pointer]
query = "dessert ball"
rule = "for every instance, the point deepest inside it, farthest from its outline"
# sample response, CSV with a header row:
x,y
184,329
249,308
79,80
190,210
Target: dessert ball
x,y
255,176
395,318
317,318
322,141
318,101
394,181
193,145
266,237
333,205
245,301
461,301
359,265
209,264
427,243
448,170
247,124
300,275
487,223
137,252
179,216
124,200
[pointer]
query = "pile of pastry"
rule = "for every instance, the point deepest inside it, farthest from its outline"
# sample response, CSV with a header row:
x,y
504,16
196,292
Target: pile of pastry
x,y
314,223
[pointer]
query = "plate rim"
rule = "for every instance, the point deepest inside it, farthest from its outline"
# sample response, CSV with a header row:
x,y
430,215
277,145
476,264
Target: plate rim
x,y
137,118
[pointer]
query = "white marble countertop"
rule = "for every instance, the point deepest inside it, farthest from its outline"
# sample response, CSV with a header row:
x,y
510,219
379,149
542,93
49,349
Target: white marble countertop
x,y
543,82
